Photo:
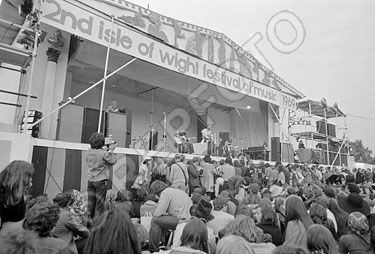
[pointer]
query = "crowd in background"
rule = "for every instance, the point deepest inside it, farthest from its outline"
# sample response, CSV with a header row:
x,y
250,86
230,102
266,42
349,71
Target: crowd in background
x,y
193,206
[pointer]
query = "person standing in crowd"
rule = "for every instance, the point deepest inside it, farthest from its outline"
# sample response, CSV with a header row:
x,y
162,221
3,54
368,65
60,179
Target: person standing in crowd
x,y
340,215
179,176
208,176
143,178
99,160
357,240
113,233
159,172
227,169
173,206
15,181
297,222
274,174
281,176
237,167
41,217
68,226
194,175
320,240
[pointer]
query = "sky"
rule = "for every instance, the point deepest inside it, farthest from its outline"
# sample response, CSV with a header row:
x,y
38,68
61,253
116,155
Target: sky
x,y
335,60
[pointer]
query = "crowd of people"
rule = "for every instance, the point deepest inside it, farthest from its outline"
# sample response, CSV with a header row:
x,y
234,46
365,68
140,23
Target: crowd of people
x,y
193,206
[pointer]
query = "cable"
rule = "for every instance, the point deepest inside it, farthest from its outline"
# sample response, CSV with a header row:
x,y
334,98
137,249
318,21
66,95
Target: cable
x,y
362,117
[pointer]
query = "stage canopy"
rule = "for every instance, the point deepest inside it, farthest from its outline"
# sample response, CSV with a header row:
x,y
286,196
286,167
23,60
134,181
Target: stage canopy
x,y
318,107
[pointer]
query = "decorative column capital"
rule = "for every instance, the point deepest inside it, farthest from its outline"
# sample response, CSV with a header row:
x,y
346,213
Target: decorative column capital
x,y
53,54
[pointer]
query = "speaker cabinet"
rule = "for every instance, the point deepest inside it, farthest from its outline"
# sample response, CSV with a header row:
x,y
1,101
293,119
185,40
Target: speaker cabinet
x,y
116,126
91,122
70,123
32,117
153,140
275,149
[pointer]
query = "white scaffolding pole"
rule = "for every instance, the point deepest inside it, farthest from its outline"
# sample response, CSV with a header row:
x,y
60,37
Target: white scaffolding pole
x,y
29,88
105,77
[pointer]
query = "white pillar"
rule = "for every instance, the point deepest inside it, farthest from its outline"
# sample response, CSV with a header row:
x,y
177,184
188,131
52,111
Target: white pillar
x,y
48,91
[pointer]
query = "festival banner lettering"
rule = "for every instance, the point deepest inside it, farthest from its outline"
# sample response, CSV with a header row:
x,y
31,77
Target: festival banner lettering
x,y
75,20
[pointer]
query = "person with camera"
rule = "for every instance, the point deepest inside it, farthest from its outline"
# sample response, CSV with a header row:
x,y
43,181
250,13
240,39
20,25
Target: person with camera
x,y
194,175
100,158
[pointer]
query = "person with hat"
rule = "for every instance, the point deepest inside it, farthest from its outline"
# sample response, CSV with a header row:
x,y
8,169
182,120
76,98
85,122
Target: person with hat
x,y
173,207
357,240
203,211
353,203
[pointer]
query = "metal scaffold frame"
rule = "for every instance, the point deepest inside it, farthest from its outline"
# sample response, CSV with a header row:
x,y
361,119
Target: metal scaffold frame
x,y
323,112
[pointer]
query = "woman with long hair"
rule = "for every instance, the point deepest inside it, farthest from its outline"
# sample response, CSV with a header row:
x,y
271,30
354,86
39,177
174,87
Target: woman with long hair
x,y
194,238
357,240
321,241
297,222
269,221
15,181
246,228
159,172
113,232
340,215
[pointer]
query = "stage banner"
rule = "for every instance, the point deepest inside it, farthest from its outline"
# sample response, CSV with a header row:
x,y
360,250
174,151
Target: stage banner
x,y
88,23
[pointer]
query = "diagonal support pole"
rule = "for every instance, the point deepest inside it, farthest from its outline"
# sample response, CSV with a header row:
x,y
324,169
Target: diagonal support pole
x,y
70,100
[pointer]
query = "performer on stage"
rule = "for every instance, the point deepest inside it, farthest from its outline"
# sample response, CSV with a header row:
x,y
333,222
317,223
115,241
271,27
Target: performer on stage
x,y
182,143
207,137
206,134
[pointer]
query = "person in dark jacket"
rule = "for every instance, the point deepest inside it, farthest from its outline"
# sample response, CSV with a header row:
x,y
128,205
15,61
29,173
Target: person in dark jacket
x,y
194,175
269,221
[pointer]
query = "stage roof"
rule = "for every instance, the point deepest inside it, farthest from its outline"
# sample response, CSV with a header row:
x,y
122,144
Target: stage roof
x,y
317,108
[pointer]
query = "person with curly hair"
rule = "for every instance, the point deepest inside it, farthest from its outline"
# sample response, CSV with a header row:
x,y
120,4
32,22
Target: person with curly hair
x,y
15,181
100,158
41,217
318,215
69,227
